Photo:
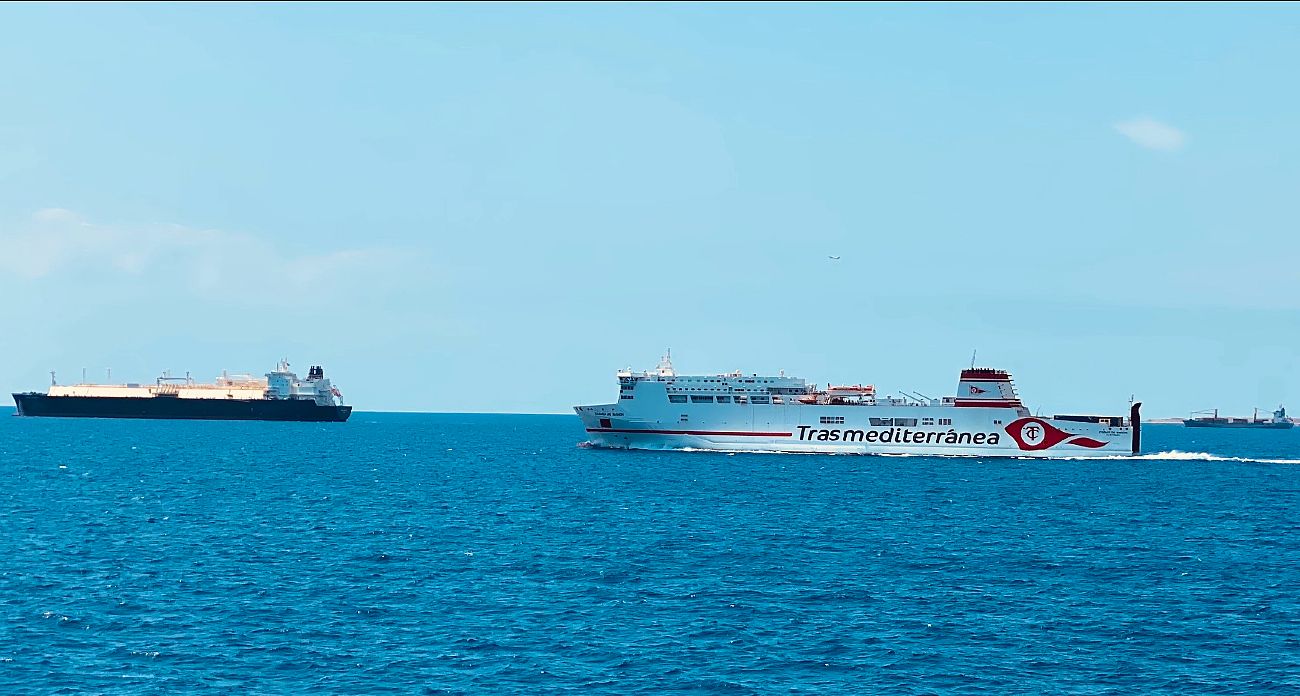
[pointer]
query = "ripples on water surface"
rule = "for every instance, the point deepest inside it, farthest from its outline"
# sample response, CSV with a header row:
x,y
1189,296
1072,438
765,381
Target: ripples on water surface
x,y
489,554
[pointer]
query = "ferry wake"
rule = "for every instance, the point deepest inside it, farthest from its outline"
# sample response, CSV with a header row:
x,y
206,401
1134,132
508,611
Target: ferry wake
x,y
733,411
282,396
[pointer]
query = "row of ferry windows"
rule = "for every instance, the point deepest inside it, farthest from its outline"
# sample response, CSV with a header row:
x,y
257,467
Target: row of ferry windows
x,y
881,422
825,420
773,390
729,381
698,399
887,422
903,422
769,390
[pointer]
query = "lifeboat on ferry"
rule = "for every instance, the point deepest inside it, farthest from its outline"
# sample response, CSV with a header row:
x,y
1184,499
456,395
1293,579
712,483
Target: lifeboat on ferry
x,y
855,390
850,395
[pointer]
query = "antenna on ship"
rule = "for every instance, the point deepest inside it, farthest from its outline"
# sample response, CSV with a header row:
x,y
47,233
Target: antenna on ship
x,y
83,375
110,375
53,382
666,365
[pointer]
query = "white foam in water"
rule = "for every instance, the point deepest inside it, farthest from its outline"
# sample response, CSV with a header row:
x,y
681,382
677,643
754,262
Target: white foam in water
x,y
1172,455
1175,455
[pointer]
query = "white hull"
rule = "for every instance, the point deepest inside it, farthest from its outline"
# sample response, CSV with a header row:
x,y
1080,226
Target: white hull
x,y
666,411
798,429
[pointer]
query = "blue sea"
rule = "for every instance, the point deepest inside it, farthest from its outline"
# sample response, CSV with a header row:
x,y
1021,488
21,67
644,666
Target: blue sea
x,y
489,554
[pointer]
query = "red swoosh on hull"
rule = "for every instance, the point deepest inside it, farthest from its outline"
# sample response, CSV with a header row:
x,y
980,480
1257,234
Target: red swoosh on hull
x,y
687,432
1035,434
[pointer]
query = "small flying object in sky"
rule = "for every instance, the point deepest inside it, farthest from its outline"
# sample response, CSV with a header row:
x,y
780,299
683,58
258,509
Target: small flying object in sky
x,y
833,258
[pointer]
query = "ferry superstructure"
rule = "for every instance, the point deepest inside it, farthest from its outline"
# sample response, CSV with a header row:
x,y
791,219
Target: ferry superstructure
x,y
281,396
661,409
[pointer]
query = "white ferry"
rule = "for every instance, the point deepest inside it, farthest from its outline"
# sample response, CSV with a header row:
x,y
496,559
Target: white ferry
x,y
738,412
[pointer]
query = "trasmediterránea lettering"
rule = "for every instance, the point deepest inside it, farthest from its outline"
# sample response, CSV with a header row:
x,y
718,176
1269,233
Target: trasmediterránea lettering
x,y
898,435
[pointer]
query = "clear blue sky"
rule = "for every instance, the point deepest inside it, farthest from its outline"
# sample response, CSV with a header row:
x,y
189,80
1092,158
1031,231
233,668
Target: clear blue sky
x,y
493,207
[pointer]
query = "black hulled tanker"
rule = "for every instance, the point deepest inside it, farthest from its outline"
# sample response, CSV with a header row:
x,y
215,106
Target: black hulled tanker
x,y
279,397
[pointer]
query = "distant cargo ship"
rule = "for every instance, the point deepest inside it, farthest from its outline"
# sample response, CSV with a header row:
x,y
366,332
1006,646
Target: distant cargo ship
x,y
281,396
736,411
1279,421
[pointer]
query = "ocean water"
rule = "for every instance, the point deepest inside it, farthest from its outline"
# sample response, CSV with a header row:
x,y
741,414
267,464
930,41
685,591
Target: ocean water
x,y
475,554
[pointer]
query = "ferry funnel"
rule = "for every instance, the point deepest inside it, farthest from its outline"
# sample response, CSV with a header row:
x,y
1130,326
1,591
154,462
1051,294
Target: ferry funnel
x,y
1135,419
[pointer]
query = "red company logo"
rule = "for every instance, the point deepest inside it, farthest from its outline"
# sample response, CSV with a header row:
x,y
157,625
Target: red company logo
x,y
976,390
1033,434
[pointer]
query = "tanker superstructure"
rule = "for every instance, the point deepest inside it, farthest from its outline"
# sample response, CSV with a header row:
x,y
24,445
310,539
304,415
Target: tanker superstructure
x,y
281,396
739,412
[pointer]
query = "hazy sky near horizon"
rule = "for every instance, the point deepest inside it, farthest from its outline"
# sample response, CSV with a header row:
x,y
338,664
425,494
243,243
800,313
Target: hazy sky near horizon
x,y
494,207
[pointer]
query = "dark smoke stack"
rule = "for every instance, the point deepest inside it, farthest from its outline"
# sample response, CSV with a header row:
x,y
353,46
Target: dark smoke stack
x,y
1135,419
